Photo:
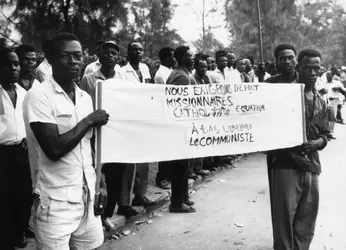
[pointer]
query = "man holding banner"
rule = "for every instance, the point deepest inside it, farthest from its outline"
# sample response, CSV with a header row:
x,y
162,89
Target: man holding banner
x,y
61,118
294,172
180,202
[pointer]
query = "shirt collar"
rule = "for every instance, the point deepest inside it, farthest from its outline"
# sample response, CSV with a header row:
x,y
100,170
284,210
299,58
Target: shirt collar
x,y
58,88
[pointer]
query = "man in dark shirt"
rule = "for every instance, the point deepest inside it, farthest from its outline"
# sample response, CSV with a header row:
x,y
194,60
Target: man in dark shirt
x,y
180,202
295,171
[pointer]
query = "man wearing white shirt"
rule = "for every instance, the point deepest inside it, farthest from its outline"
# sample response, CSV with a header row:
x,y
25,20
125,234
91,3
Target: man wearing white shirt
x,y
167,60
230,60
15,181
220,74
44,70
27,60
138,72
61,118
94,66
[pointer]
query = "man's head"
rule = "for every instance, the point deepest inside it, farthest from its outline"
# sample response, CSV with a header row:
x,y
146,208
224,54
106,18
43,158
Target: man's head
x,y
135,52
166,55
184,57
201,66
248,65
9,66
209,61
322,70
309,65
109,53
230,59
329,76
221,59
338,72
65,55
239,64
27,57
286,61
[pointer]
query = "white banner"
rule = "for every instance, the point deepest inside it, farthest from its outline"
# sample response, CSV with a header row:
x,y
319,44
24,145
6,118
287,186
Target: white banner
x,y
151,123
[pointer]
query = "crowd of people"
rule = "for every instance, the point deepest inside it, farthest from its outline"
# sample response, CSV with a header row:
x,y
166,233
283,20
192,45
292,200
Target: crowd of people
x,y
47,121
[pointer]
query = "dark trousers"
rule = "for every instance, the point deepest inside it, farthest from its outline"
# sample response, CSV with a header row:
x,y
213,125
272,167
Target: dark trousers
x,y
164,172
16,194
118,177
179,184
141,179
294,205
338,112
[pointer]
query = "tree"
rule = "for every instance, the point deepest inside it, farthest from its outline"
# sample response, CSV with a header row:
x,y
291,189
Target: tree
x,y
209,44
90,20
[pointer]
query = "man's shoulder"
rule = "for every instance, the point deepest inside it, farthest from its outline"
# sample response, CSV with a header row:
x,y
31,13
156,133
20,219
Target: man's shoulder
x,y
274,79
144,66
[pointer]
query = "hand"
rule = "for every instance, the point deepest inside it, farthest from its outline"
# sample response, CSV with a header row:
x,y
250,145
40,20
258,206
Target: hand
x,y
24,144
311,145
101,198
98,118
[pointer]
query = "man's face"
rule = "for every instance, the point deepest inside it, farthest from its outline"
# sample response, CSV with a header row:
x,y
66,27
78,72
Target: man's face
x,y
309,70
11,68
108,57
248,65
329,76
240,66
221,62
136,52
28,62
201,68
188,59
230,59
322,70
286,61
209,63
68,59
338,72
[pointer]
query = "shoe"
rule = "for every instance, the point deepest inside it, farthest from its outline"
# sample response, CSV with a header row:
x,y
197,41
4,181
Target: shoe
x,y
202,172
142,201
21,241
182,209
189,203
342,122
127,211
30,232
163,184
109,224
192,176
332,137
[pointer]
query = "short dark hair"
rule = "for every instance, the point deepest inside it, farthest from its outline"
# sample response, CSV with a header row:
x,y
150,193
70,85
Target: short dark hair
x,y
3,53
24,48
282,47
57,39
129,45
252,60
165,52
179,53
308,53
198,60
220,53
236,61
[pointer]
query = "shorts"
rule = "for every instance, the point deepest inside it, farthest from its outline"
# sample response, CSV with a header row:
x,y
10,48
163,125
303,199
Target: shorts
x,y
61,225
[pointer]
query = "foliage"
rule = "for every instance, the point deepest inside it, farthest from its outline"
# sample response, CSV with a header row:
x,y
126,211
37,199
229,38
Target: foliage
x,y
211,44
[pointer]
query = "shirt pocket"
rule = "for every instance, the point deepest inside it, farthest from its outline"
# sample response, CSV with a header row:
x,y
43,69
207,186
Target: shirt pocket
x,y
64,121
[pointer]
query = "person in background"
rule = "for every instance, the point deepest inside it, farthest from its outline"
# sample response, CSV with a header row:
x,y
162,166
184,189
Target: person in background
x,y
166,55
239,65
44,70
138,72
249,69
180,201
15,180
61,117
27,60
94,66
295,171
343,75
230,60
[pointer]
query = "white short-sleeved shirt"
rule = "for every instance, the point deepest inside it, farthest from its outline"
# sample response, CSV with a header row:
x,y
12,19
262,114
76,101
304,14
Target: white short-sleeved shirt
x,y
44,71
12,129
63,179
162,75
88,83
92,67
335,94
217,76
131,75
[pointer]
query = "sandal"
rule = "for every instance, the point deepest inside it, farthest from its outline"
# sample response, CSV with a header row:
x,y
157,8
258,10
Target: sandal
x,y
182,209
189,202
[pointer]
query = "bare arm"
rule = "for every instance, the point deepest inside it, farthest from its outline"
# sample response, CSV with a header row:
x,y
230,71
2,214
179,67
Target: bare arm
x,y
56,146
